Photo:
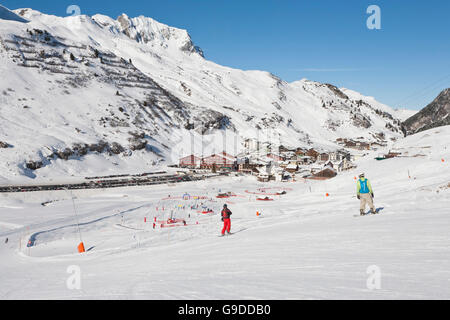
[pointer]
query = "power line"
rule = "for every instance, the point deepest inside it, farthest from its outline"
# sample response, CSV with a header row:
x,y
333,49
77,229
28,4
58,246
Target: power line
x,y
422,92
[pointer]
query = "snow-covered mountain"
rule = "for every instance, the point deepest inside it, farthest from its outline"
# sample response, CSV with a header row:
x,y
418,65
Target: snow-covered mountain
x,y
92,95
436,114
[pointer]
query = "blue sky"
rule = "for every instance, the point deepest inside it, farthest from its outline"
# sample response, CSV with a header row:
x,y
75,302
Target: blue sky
x,y
405,64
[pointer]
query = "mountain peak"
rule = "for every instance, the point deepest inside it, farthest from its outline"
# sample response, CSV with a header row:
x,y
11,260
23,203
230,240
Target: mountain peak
x,y
142,29
151,32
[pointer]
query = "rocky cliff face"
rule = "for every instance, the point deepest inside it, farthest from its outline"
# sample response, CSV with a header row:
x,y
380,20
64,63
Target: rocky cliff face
x,y
436,114
148,31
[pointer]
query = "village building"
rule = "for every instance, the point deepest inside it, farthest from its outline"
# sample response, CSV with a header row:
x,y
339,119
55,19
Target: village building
x,y
313,154
263,177
191,161
283,149
323,157
338,156
301,152
357,145
275,157
326,173
247,168
393,155
251,144
220,161
346,165
304,160
292,168
290,155
261,174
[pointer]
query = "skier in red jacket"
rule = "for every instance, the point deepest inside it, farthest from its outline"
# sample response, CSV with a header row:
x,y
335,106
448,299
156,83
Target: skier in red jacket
x,y
226,218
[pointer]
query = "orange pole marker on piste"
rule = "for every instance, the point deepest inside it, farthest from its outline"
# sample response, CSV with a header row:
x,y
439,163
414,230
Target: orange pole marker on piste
x,y
81,248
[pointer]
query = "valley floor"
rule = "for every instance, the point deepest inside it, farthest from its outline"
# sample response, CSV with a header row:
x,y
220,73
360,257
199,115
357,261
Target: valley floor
x,y
304,245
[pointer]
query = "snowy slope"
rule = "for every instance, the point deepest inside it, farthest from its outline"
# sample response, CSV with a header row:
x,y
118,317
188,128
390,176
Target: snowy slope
x,y
436,114
304,245
62,76
404,114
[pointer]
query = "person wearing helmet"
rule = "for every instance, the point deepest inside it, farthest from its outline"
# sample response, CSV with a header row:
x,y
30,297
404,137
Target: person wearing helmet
x,y
226,218
365,194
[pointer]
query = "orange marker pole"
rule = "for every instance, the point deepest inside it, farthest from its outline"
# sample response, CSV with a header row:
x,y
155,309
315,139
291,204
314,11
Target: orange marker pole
x,y
81,248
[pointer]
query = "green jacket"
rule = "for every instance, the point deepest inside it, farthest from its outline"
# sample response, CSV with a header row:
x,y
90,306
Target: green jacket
x,y
363,186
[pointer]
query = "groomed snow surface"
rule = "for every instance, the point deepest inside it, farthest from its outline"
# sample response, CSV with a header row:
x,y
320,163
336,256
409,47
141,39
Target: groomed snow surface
x,y
304,245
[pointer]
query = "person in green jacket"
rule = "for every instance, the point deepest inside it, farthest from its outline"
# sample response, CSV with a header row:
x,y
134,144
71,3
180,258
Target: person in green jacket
x,y
365,194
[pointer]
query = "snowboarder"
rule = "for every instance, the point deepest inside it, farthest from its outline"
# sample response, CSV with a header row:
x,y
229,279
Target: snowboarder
x,y
226,218
365,194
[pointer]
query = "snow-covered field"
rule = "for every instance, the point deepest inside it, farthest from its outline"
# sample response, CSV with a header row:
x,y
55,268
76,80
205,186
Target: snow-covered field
x,y
304,245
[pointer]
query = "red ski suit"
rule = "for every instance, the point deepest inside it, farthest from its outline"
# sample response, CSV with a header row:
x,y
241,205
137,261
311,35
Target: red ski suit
x,y
226,213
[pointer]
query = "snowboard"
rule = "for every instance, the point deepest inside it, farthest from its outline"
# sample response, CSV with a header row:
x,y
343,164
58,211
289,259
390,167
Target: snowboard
x,y
232,233
377,212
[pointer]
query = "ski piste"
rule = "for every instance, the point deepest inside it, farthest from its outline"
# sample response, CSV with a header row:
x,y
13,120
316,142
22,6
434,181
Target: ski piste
x,y
306,233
